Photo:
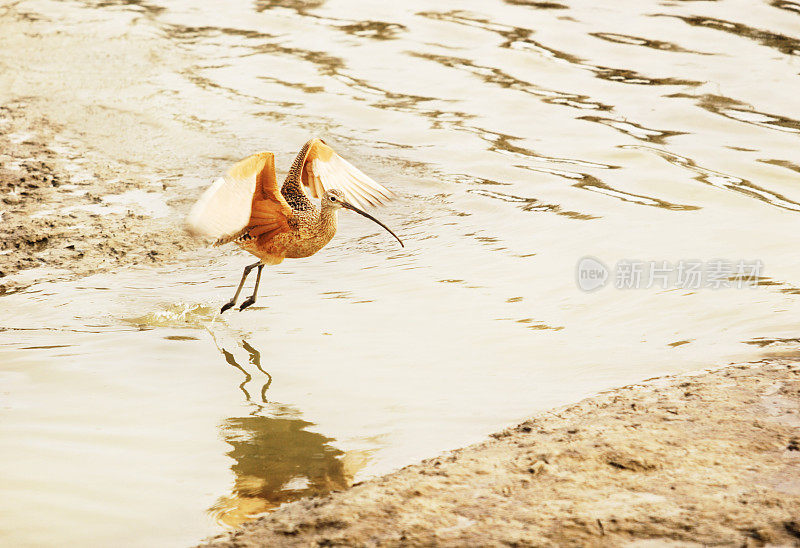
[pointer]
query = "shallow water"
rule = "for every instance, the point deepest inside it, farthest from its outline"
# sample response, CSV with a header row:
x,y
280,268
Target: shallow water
x,y
520,136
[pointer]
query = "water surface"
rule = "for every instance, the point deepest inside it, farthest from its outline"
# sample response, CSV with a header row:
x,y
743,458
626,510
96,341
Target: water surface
x,y
520,136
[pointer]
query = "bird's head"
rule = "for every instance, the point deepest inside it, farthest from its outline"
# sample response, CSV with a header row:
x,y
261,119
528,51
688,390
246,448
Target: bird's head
x,y
334,199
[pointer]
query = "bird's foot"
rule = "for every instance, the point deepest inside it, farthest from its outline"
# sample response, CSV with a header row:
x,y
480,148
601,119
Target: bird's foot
x,y
246,303
226,306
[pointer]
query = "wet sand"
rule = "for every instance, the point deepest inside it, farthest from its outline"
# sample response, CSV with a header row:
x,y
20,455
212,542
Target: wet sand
x,y
73,222
711,458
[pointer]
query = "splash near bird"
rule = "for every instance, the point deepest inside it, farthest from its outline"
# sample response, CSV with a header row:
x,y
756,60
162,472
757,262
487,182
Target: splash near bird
x,y
247,208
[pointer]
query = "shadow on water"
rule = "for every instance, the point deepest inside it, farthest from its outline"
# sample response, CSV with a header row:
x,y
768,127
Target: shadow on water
x,y
254,359
276,460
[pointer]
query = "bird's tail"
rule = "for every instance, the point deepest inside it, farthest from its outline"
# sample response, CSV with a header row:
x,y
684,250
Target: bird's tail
x,y
242,234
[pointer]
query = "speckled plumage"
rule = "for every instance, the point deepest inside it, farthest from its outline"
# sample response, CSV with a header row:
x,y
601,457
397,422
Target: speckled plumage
x,y
292,188
247,208
310,227
310,230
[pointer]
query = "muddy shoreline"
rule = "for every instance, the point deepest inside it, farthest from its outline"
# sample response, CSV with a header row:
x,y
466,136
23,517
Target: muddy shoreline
x,y
73,214
711,458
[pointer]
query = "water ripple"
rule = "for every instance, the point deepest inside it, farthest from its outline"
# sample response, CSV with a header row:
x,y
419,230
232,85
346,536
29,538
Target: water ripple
x,y
644,42
742,112
780,42
724,181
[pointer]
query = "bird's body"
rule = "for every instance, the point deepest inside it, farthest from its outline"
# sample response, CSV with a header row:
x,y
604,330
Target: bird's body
x,y
310,231
246,207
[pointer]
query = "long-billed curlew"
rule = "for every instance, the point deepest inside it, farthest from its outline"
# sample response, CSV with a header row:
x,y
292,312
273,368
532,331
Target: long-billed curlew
x,y
247,208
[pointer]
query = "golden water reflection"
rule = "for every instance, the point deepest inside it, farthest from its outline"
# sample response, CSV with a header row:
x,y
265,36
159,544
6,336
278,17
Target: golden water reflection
x,y
276,459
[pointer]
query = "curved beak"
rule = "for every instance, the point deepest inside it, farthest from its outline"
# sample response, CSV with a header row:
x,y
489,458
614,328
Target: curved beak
x,y
370,217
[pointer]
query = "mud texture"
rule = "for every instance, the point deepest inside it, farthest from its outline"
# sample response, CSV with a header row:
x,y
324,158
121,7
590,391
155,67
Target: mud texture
x,y
60,209
707,459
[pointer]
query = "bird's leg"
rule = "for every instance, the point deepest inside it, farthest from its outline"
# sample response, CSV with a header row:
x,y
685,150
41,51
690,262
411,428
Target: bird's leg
x,y
252,298
247,270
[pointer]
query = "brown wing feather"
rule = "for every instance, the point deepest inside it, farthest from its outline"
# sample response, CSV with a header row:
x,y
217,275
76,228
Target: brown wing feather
x,y
246,197
269,212
323,169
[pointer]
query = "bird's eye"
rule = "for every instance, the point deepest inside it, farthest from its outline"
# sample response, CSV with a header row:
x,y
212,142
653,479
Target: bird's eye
x,y
332,198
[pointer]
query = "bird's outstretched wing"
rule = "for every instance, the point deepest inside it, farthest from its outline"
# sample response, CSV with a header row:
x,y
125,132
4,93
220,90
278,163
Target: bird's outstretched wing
x,y
322,169
246,199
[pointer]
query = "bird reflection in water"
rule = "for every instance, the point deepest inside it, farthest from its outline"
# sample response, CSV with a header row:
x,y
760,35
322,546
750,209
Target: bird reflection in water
x,y
276,460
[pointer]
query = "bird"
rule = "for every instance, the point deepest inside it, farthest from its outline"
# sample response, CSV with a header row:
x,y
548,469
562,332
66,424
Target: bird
x,y
247,208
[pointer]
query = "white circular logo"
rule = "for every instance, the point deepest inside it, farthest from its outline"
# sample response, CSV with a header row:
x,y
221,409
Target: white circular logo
x,y
591,274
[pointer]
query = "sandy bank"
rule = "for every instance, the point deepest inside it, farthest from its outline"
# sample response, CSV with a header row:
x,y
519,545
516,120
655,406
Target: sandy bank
x,y
710,459
76,214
